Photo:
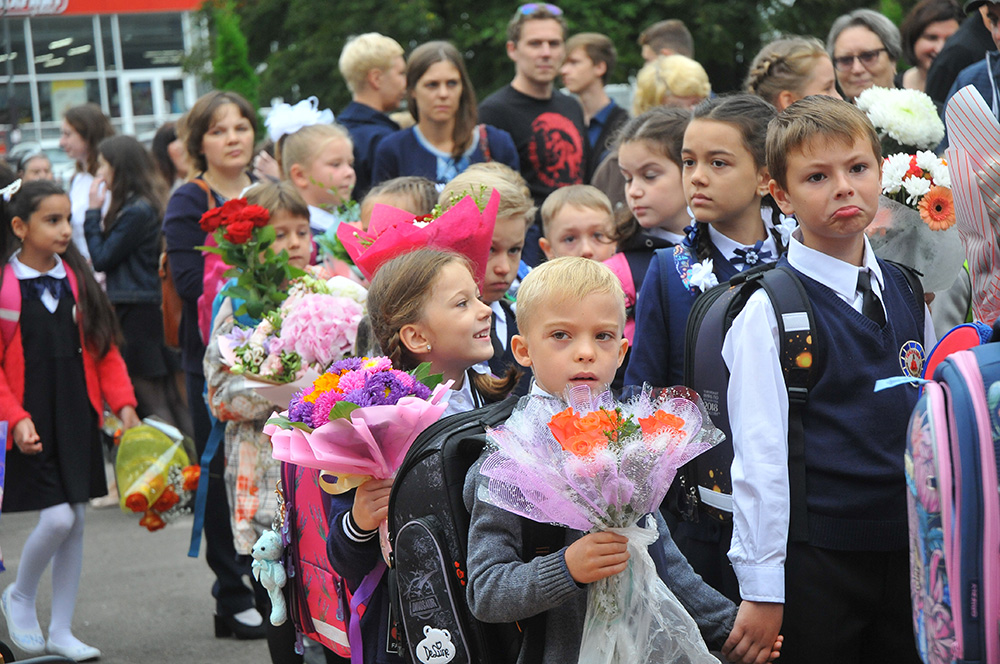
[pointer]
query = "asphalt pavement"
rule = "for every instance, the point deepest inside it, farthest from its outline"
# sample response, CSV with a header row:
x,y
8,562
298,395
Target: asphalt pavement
x,y
142,600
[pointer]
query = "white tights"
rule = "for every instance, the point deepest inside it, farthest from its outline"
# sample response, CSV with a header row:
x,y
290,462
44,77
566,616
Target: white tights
x,y
59,538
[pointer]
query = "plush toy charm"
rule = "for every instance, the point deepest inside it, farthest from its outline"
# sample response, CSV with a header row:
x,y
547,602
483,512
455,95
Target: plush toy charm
x,y
268,570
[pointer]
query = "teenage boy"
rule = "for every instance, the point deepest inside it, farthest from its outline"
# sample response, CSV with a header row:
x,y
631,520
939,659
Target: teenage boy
x,y
373,68
832,574
670,37
548,129
590,59
572,314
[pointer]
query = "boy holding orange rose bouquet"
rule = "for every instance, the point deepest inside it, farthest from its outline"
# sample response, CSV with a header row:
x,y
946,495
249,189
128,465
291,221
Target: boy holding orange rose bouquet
x,y
599,468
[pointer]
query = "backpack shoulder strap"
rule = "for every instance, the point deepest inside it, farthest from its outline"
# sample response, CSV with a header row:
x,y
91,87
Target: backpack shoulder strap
x,y
796,339
208,192
913,280
10,304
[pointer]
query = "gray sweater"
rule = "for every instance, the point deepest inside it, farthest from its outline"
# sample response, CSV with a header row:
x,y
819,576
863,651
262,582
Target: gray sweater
x,y
504,588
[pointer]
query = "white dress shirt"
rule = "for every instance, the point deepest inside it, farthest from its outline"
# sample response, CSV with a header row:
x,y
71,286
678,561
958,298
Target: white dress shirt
x,y
758,413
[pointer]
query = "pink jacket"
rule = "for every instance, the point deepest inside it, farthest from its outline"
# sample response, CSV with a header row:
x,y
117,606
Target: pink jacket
x,y
107,377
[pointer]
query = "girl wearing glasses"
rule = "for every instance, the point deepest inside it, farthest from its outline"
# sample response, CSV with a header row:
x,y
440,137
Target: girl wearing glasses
x,y
864,46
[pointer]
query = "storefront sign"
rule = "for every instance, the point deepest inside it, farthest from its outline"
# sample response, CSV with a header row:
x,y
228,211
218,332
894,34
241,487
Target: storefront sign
x,y
88,7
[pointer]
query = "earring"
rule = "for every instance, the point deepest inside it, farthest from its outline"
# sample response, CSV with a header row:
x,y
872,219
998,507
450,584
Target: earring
x,y
428,348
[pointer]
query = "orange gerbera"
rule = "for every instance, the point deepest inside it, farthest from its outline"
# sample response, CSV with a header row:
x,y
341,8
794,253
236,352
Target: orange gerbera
x,y
937,208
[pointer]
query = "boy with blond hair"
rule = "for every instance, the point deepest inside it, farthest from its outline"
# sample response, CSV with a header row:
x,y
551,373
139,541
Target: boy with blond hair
x,y
572,316
515,214
374,70
827,563
577,221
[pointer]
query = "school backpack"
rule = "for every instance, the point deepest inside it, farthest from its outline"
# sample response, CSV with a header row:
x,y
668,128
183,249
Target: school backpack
x,y
428,531
703,488
952,454
319,600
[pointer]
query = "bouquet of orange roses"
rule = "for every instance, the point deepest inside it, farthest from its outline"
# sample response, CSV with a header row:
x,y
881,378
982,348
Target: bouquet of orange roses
x,y
604,465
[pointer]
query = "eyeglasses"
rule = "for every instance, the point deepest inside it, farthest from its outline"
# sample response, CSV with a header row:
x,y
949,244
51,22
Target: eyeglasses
x,y
867,58
532,7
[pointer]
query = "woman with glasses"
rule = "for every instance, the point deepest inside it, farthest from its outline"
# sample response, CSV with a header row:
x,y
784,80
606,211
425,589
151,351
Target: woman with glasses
x,y
447,137
864,46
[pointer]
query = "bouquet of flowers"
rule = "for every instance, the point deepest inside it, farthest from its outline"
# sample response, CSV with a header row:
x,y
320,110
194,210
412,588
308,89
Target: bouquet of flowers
x,y
606,465
243,238
155,475
906,120
357,420
916,216
315,325
466,228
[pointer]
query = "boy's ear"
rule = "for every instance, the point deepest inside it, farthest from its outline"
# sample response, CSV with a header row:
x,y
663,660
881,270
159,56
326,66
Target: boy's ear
x,y
519,349
785,99
511,48
374,79
413,338
780,197
622,349
546,247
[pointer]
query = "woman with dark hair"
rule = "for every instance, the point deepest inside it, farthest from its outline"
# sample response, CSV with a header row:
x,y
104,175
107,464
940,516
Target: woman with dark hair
x,y
924,31
83,127
170,156
127,251
218,134
864,46
446,138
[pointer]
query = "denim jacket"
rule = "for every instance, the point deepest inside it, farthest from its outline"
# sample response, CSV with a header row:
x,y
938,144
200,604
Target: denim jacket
x,y
130,254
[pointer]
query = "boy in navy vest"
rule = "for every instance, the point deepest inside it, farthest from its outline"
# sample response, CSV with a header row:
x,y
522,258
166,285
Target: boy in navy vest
x,y
837,583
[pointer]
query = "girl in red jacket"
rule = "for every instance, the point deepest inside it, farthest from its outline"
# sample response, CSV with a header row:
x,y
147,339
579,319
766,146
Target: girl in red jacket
x,y
54,315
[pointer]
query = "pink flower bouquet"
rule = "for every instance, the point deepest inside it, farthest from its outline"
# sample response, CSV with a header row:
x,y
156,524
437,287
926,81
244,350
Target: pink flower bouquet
x,y
603,465
392,232
357,420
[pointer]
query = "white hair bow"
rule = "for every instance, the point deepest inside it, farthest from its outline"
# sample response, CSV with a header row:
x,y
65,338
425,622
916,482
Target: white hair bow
x,y
286,119
11,189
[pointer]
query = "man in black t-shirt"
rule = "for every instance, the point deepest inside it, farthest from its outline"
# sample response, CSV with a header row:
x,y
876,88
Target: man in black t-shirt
x,y
547,128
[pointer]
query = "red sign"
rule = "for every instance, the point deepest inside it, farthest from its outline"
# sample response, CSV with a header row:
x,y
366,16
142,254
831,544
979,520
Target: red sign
x,y
88,7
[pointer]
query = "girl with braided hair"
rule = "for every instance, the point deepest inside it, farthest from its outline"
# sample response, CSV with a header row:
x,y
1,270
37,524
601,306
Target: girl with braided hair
x,y
790,69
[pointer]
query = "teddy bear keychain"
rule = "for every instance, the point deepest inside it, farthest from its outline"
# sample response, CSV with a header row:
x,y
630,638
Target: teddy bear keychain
x,y
267,567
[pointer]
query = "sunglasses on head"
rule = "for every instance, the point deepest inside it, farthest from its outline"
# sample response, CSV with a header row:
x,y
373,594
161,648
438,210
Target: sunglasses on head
x,y
532,7
867,58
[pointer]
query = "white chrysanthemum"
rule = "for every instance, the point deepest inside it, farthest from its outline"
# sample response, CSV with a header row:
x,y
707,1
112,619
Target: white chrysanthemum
x,y
915,188
893,170
926,159
908,116
344,287
939,171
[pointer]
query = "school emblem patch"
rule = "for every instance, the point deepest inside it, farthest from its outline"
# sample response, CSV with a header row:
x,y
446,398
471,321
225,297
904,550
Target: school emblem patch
x,y
911,359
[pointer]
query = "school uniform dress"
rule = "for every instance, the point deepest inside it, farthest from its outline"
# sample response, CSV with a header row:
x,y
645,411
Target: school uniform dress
x,y
70,467
845,589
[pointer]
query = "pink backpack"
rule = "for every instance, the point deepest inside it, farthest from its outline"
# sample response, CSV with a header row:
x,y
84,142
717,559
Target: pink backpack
x,y
619,265
320,601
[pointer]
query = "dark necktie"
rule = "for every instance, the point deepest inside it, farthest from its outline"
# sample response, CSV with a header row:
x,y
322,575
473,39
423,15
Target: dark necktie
x,y
750,256
870,306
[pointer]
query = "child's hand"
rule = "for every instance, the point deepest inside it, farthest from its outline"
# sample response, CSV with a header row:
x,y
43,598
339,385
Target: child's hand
x,y
98,188
755,639
597,556
26,438
371,503
128,417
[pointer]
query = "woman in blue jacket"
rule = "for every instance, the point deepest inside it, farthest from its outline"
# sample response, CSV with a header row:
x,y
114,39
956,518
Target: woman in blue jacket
x,y
447,137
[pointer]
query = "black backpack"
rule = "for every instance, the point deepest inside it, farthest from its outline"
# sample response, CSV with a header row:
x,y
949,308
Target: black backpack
x,y
429,529
704,486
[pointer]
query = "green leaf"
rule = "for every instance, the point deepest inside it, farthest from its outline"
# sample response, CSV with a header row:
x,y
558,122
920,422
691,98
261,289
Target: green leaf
x,y
212,250
424,375
342,409
282,422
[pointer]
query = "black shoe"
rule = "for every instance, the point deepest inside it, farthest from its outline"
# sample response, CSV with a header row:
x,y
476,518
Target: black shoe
x,y
229,626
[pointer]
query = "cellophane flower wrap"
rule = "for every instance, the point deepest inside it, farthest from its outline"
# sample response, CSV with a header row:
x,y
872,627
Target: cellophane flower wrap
x,y
357,420
465,228
315,325
603,465
155,476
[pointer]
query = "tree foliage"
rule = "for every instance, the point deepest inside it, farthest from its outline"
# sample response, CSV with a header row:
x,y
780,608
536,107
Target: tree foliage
x,y
300,40
231,68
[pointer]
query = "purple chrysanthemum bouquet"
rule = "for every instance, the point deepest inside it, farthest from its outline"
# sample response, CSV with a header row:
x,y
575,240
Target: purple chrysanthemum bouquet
x,y
357,421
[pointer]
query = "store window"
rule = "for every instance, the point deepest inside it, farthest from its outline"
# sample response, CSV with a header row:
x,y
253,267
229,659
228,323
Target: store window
x,y
22,103
18,55
108,40
150,41
63,44
173,94
54,97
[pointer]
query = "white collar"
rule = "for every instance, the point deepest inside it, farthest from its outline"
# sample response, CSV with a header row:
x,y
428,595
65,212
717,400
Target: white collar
x,y
321,219
461,399
837,275
22,271
538,391
727,246
664,234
